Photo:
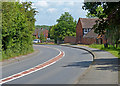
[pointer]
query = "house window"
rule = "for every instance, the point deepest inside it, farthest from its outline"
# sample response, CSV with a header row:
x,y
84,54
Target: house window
x,y
89,29
85,30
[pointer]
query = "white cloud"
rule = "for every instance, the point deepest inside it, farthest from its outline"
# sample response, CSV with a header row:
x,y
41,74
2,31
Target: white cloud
x,y
59,3
41,3
52,10
71,3
66,10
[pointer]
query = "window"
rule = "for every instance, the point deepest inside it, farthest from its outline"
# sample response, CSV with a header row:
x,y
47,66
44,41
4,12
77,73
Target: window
x,y
85,30
89,29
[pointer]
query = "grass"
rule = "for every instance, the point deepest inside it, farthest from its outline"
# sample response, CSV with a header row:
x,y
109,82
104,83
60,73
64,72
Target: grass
x,y
111,49
5,57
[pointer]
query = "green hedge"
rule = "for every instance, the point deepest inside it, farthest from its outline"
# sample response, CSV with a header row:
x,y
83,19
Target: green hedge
x,y
18,24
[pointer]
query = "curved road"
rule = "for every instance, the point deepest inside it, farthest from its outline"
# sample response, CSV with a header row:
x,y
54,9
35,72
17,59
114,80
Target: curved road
x,y
65,71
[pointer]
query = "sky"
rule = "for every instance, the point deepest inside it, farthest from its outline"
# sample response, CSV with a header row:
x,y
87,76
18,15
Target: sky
x,y
51,10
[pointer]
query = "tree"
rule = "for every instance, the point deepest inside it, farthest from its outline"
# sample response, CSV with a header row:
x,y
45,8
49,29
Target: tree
x,y
109,18
42,37
18,24
65,27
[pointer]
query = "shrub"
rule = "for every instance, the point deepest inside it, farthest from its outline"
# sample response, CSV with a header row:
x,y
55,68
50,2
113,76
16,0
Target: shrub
x,y
18,24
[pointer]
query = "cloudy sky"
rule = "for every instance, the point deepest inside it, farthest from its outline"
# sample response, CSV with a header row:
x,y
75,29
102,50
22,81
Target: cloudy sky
x,y
51,10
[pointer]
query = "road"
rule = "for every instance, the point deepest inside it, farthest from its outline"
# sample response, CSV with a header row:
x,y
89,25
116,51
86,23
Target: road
x,y
65,71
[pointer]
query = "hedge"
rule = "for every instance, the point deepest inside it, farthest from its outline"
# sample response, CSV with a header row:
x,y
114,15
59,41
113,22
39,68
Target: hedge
x,y
18,24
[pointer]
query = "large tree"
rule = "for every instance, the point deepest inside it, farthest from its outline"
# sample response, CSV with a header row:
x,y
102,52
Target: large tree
x,y
65,27
109,18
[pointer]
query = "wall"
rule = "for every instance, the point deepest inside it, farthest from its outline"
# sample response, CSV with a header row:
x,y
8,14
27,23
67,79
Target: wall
x,y
88,41
70,39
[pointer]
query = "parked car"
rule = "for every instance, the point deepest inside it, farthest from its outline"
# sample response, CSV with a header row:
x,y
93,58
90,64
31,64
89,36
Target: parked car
x,y
36,41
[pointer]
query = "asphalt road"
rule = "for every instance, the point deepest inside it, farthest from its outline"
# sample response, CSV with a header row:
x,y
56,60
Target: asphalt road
x,y
65,71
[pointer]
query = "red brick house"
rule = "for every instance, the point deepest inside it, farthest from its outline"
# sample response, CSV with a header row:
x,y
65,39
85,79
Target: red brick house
x,y
85,34
45,32
37,33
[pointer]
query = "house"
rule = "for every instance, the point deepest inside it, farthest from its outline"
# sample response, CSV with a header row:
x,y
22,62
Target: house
x,y
45,32
38,31
85,34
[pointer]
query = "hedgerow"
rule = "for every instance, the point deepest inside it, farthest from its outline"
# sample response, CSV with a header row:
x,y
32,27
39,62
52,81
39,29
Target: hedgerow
x,y
18,24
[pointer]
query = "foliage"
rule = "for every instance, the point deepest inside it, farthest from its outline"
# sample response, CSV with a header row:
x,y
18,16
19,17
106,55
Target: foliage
x,y
99,12
42,37
109,18
65,27
18,24
0,30
42,26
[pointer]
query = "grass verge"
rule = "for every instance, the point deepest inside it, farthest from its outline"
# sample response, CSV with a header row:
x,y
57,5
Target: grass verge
x,y
111,49
5,57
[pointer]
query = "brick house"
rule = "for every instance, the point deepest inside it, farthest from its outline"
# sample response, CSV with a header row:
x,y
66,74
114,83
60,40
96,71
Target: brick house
x,y
45,32
85,34
37,33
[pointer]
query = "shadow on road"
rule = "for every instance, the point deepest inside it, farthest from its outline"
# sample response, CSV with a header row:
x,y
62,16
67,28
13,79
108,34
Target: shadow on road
x,y
107,64
86,53
99,64
82,64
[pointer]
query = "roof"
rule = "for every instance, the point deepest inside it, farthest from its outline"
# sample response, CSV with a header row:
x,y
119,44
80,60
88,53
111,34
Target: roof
x,y
91,34
88,22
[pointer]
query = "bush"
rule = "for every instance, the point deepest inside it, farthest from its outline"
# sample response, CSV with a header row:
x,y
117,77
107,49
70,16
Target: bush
x,y
18,24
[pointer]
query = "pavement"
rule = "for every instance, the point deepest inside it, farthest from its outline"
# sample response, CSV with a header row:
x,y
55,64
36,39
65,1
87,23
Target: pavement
x,y
103,70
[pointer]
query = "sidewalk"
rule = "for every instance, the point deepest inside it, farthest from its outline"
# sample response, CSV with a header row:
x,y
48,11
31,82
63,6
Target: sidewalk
x,y
104,69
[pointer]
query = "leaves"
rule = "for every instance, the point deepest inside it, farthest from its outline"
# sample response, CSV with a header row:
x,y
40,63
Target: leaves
x,y
18,24
65,27
109,18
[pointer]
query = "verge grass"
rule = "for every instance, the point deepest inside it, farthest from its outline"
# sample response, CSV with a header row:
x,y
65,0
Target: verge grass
x,y
111,49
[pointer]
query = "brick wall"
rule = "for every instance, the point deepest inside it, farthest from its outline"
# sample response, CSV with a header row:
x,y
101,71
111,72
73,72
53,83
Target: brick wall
x,y
70,39
88,41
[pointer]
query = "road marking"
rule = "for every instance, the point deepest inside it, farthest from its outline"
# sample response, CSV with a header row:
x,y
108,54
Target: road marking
x,y
36,68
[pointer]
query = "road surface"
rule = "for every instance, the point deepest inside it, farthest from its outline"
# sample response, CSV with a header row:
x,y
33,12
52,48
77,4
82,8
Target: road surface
x,y
65,71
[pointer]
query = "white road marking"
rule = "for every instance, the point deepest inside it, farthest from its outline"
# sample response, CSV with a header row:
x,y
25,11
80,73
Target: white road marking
x,y
1,81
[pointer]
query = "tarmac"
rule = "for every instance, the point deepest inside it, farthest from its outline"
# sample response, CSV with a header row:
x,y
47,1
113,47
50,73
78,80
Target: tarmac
x,y
103,70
